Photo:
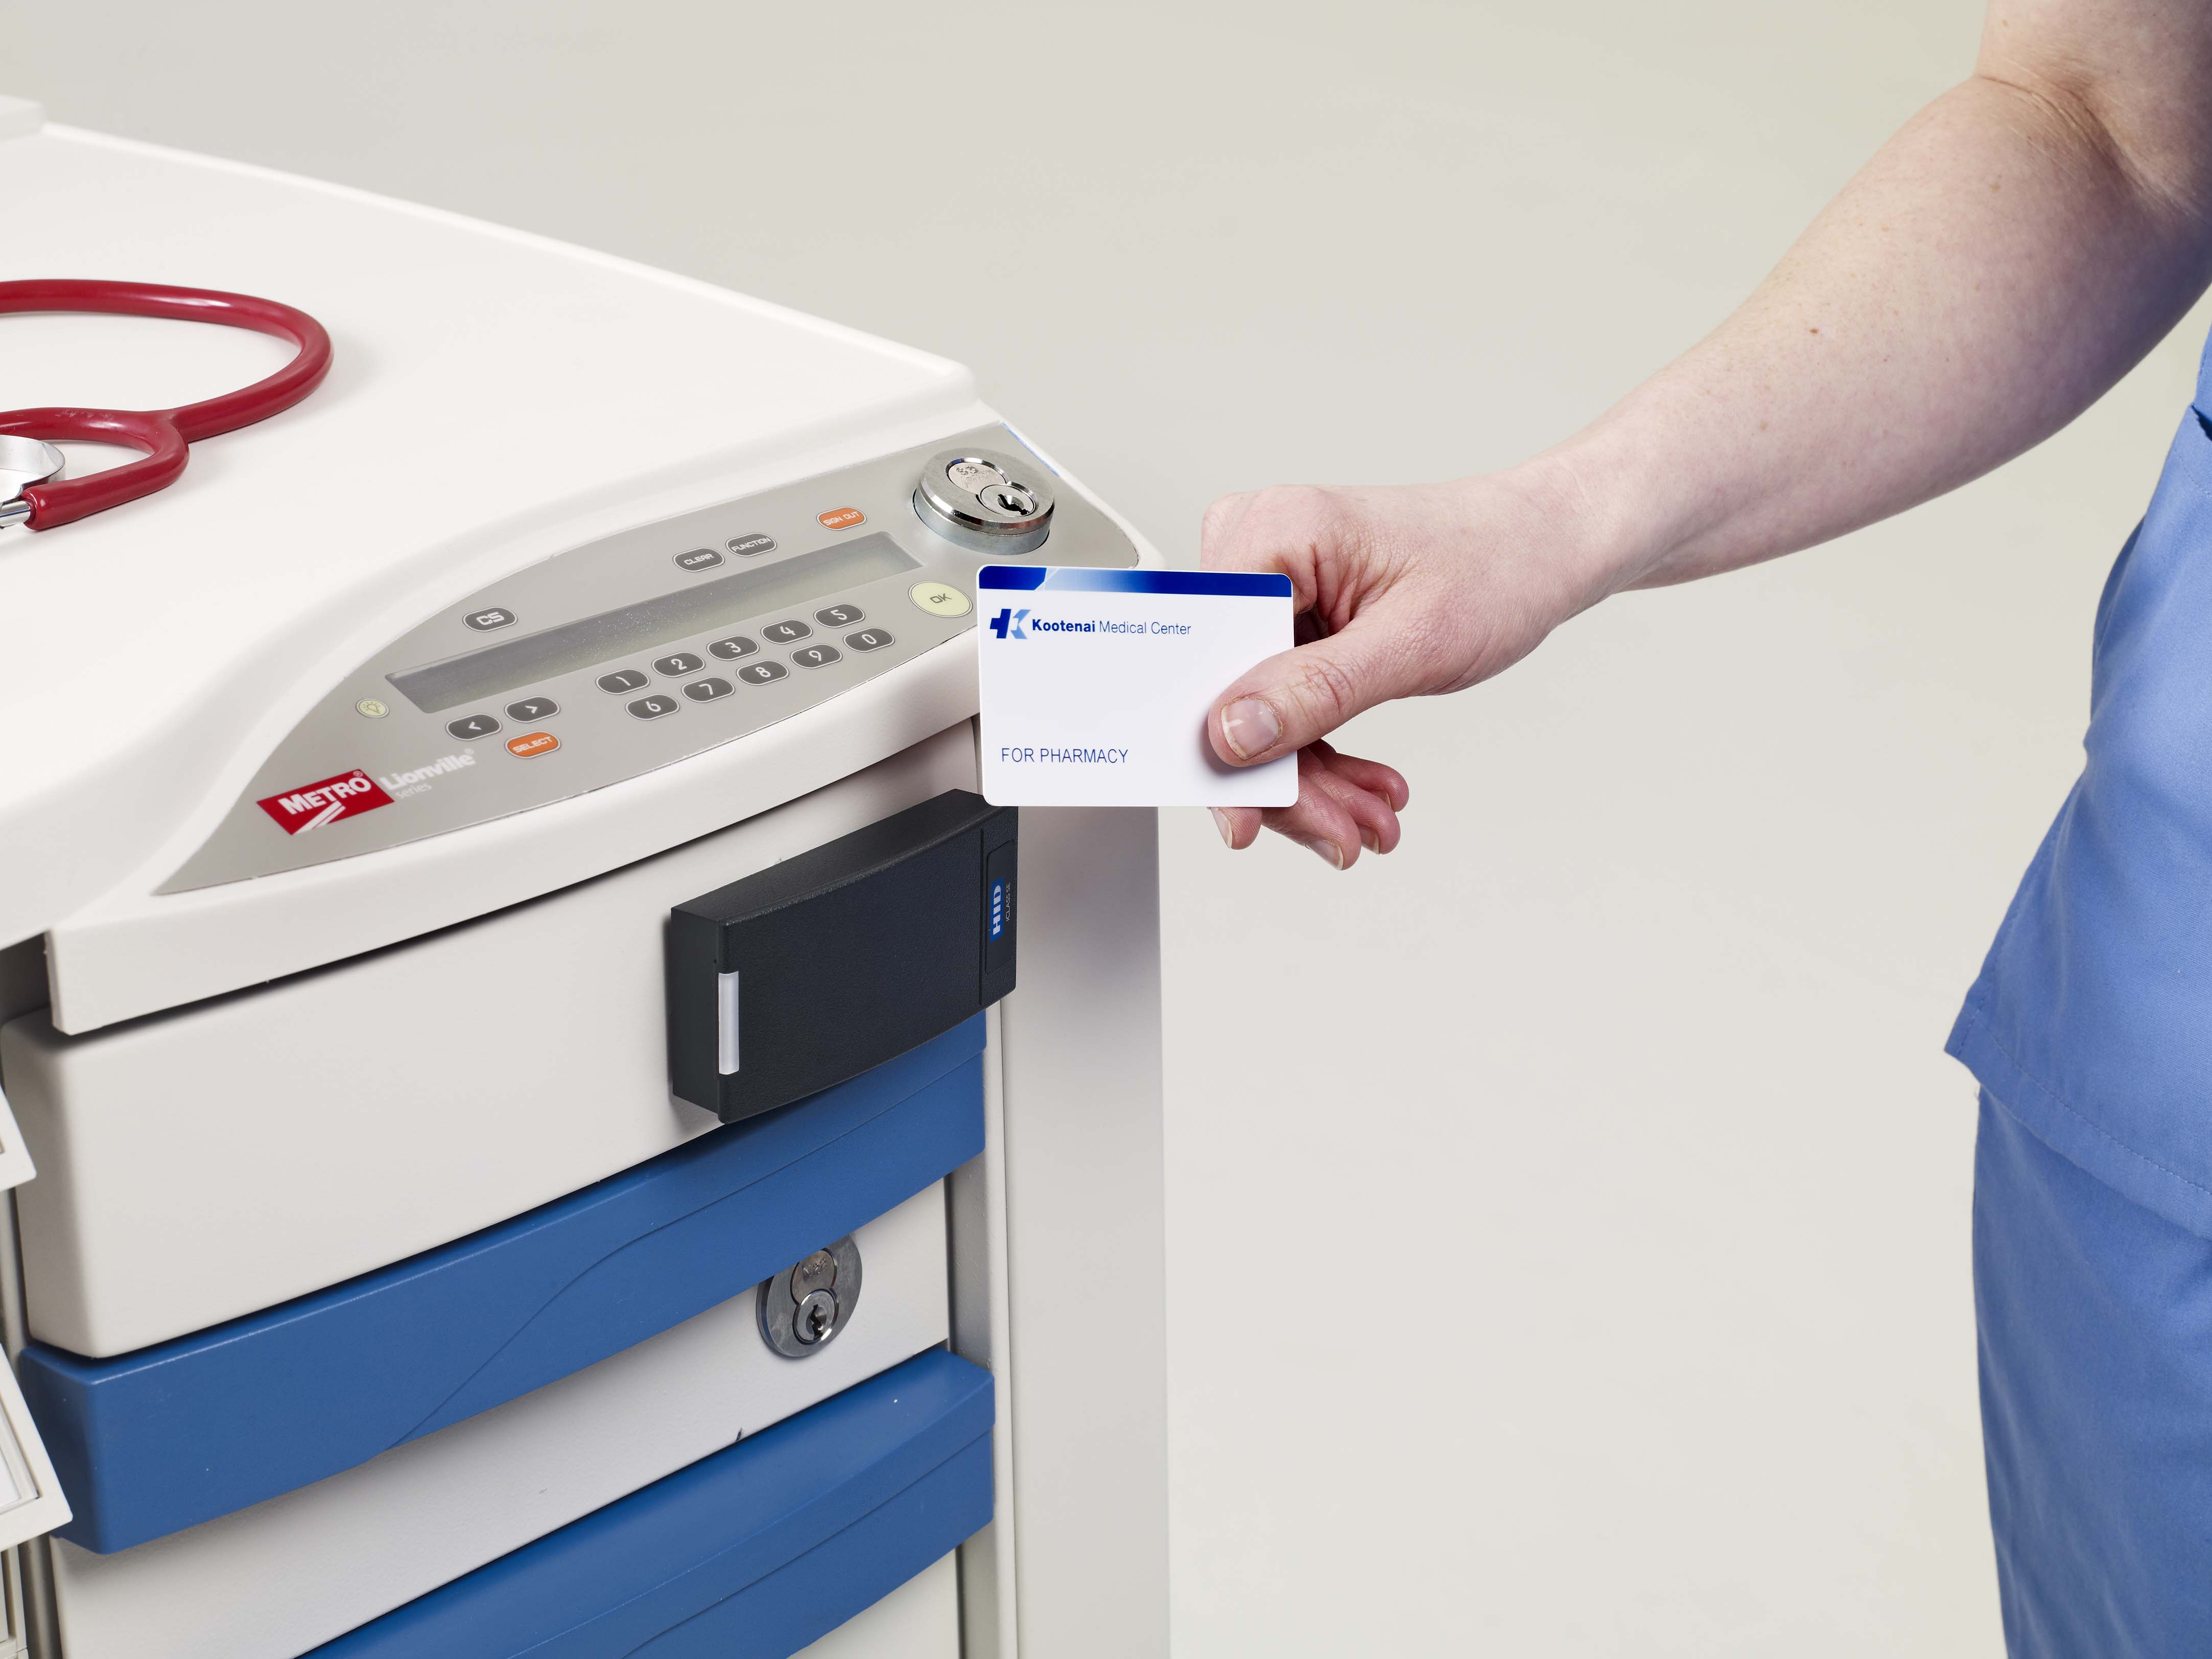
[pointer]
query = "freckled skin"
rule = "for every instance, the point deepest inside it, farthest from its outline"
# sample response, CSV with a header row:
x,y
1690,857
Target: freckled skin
x,y
1921,332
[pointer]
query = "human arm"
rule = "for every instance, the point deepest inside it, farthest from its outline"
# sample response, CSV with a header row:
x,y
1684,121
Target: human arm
x,y
1997,266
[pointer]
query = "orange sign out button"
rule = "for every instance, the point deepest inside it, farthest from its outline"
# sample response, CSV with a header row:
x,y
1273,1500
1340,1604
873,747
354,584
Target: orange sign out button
x,y
842,517
533,743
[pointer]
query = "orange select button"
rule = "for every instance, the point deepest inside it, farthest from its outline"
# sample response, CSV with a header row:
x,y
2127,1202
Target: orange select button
x,y
533,743
842,517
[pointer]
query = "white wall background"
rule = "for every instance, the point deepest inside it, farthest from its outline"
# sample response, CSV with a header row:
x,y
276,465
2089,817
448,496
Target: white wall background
x,y
1569,1226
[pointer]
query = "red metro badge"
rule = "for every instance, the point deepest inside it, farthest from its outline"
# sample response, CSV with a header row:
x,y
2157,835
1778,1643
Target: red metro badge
x,y
345,796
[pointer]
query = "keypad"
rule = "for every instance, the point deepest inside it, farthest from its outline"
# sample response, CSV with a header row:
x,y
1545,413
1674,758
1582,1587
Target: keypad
x,y
707,690
676,666
733,647
652,708
472,726
761,673
839,616
783,632
816,656
533,708
622,680
869,639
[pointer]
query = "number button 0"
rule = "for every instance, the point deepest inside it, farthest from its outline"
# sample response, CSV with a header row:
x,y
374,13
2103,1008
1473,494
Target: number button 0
x,y
816,656
676,666
839,616
784,633
868,638
652,708
622,680
761,673
533,708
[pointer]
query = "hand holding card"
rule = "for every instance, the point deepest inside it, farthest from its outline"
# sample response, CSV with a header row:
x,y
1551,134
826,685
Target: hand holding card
x,y
1096,684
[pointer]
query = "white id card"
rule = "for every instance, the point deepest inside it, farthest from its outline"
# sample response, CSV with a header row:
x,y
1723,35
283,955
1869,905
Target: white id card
x,y
1096,684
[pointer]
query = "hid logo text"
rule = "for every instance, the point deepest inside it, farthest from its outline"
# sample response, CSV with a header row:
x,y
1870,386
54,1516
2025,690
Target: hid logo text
x,y
1007,624
312,805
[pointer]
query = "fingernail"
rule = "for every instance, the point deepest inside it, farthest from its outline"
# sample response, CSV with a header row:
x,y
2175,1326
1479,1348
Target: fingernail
x,y
1327,851
1250,727
1371,841
1221,822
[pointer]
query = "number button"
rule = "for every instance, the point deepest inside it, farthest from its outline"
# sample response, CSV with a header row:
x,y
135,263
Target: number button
x,y
733,647
622,680
784,633
708,690
868,638
472,726
533,708
652,708
676,666
816,656
699,558
761,673
483,621
839,616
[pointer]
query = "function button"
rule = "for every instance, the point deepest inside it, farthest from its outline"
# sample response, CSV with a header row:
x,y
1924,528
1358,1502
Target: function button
x,y
533,743
485,621
622,680
840,517
939,599
816,656
652,707
707,689
839,616
681,664
472,726
784,633
733,647
761,673
534,708
869,639
750,547
699,558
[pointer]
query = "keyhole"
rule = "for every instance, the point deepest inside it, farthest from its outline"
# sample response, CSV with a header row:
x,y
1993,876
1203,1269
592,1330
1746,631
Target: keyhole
x,y
817,1319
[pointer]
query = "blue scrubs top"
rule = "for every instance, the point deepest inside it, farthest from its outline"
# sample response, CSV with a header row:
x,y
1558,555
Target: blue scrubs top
x,y
2092,1019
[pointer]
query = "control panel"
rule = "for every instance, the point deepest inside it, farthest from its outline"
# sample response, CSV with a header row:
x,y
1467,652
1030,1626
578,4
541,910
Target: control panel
x,y
647,645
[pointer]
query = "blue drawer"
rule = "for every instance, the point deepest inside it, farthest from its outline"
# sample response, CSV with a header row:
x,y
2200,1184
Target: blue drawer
x,y
171,1435
752,1553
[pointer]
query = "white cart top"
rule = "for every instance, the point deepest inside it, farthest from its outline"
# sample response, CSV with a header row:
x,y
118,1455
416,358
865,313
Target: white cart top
x,y
495,398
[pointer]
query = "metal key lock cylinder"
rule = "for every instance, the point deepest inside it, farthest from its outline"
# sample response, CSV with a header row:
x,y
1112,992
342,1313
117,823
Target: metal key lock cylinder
x,y
804,1307
986,501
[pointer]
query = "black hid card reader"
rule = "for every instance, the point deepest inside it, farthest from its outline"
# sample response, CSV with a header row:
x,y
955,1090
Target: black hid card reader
x,y
816,969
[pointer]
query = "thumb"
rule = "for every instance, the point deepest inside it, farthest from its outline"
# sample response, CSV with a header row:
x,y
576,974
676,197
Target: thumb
x,y
1289,700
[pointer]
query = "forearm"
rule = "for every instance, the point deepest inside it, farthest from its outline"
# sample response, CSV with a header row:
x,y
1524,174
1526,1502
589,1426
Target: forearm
x,y
1995,269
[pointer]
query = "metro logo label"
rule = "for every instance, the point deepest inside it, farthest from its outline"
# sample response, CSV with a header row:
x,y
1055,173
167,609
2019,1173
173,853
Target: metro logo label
x,y
314,804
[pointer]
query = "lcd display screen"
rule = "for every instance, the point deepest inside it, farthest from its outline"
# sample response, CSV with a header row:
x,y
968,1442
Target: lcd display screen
x,y
589,641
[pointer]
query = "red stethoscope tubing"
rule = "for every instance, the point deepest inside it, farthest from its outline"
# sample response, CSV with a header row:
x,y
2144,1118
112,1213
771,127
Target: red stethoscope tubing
x,y
161,434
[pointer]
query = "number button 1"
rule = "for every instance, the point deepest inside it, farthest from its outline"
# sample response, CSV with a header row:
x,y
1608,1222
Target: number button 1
x,y
622,680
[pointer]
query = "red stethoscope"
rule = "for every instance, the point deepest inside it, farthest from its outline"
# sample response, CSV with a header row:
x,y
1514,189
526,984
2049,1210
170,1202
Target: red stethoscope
x,y
31,492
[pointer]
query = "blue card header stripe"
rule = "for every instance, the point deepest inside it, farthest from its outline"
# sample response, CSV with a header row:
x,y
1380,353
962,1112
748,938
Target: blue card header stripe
x,y
1071,578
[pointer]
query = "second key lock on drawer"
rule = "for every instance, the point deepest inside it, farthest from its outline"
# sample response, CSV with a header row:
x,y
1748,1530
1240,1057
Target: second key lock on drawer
x,y
804,1307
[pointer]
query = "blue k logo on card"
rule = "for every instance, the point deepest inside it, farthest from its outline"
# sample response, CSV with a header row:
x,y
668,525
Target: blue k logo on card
x,y
1010,620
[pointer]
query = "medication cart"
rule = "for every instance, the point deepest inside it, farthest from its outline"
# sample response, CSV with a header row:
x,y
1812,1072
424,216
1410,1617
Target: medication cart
x,y
549,1116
